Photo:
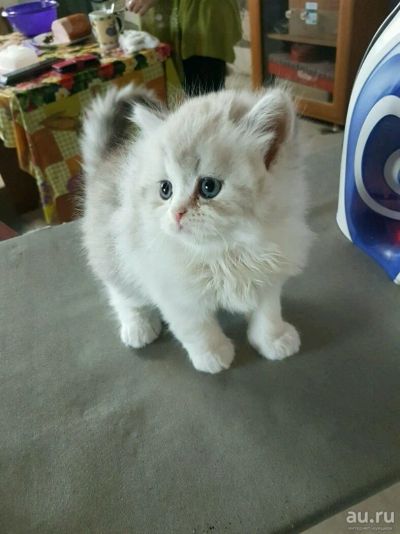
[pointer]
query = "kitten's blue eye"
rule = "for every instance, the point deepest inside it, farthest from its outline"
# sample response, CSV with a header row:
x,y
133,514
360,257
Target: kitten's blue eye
x,y
209,187
165,189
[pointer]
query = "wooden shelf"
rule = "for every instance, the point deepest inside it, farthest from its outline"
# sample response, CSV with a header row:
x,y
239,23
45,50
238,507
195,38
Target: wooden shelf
x,y
357,22
331,42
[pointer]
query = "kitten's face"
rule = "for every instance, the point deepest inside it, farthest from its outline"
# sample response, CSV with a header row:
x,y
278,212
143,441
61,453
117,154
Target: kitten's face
x,y
204,172
203,191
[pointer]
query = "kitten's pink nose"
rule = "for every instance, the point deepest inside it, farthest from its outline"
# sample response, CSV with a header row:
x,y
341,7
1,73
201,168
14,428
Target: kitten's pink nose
x,y
179,214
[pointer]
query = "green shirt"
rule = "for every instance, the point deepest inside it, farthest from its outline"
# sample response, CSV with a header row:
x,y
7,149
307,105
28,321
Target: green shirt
x,y
197,27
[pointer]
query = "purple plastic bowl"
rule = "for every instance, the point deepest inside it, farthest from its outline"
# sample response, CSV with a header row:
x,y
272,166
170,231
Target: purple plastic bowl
x,y
32,18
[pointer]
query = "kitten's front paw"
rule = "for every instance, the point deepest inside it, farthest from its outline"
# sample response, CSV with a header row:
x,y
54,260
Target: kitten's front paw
x,y
140,331
216,360
278,347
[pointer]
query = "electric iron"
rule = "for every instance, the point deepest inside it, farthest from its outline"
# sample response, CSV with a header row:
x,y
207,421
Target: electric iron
x,y
369,197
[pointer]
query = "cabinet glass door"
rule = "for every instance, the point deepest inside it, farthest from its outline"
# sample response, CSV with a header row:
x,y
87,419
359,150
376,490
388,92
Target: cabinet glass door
x,y
299,45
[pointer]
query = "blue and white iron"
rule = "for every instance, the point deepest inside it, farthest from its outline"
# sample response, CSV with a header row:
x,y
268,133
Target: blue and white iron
x,y
369,198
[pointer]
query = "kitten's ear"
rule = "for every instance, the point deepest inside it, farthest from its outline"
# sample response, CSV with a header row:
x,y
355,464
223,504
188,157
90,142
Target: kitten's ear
x,y
148,113
271,122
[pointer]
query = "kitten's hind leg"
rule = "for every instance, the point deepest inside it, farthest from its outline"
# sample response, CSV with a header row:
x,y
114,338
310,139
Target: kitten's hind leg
x,y
268,333
140,324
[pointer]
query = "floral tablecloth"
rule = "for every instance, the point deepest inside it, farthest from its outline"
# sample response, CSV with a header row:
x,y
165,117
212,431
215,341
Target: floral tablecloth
x,y
41,118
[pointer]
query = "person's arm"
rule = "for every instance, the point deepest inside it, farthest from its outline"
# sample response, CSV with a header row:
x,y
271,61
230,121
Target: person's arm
x,y
140,6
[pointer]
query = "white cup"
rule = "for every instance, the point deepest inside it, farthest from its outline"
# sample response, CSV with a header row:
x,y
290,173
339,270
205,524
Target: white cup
x,y
105,27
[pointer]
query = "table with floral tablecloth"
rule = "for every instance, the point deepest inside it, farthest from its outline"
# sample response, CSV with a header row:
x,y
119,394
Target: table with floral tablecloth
x,y
41,118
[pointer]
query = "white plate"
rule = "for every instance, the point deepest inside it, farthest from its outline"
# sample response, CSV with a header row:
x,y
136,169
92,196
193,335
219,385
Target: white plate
x,y
41,41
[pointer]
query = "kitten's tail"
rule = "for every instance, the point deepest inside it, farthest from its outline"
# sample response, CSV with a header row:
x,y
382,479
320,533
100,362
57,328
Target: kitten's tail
x,y
108,123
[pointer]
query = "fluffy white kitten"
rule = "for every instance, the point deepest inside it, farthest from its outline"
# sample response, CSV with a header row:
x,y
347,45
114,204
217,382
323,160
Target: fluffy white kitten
x,y
203,208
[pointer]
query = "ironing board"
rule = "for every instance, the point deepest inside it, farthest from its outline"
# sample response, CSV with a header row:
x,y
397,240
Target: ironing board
x,y
98,438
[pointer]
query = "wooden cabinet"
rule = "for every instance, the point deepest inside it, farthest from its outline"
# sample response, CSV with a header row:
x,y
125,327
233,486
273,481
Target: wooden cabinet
x,y
315,47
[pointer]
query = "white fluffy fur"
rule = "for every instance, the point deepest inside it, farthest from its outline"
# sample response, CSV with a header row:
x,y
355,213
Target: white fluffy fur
x,y
234,251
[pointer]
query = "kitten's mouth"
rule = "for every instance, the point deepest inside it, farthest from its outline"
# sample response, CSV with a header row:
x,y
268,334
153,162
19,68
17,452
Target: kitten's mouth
x,y
190,233
179,228
183,229
182,226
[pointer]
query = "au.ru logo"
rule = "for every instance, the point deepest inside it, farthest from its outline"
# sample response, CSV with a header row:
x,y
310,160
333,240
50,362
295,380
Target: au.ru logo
x,y
375,519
